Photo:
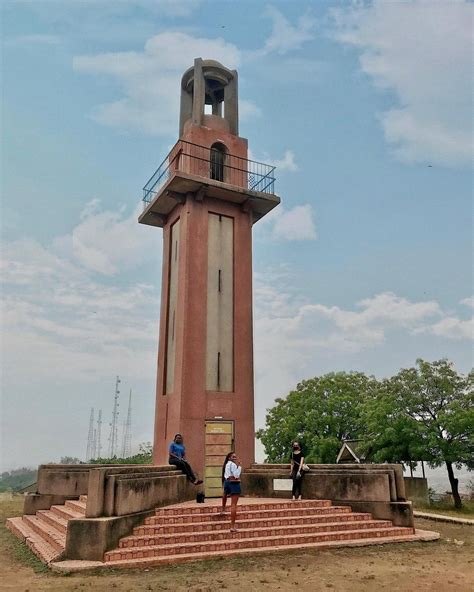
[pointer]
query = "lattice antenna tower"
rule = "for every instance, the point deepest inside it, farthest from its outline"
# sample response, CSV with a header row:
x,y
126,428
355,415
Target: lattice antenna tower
x,y
94,445
90,436
127,431
99,435
113,437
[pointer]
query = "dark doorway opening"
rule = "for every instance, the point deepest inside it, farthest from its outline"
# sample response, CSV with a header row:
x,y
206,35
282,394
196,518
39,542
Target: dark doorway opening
x,y
218,155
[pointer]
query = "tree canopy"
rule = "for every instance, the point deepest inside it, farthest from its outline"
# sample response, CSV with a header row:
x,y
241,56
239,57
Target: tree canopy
x,y
320,413
424,413
421,413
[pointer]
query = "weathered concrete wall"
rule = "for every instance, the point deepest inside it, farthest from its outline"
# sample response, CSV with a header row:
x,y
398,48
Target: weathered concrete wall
x,y
124,500
63,479
394,472
119,490
56,484
348,486
136,494
400,513
118,498
378,489
36,501
107,493
90,538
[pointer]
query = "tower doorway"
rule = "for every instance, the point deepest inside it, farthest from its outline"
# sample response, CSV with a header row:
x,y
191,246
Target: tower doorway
x,y
219,441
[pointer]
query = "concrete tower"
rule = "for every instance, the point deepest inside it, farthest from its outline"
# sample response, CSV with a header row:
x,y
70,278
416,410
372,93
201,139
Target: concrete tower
x,y
206,195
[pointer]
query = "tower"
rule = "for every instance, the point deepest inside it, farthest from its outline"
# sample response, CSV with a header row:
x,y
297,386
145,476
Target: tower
x,y
127,431
206,195
90,437
99,435
113,436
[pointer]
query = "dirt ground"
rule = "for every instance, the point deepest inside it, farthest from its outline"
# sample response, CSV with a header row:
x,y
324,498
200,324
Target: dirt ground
x,y
446,565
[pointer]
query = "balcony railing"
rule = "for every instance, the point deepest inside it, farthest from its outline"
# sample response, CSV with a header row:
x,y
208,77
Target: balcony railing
x,y
210,163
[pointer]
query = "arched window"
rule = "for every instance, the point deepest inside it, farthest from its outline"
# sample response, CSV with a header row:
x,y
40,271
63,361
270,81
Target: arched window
x,y
218,154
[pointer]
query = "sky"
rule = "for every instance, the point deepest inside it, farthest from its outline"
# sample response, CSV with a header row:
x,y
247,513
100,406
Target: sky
x,y
366,110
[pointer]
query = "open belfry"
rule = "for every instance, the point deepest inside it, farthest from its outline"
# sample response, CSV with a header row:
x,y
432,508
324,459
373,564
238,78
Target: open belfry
x,y
206,196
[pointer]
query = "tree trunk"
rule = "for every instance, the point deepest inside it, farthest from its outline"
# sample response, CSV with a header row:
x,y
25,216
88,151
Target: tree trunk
x,y
454,486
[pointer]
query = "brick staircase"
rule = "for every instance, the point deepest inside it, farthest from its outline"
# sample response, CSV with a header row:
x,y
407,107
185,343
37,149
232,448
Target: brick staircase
x,y
45,531
187,532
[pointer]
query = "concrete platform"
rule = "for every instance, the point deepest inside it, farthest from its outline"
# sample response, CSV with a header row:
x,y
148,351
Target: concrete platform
x,y
196,532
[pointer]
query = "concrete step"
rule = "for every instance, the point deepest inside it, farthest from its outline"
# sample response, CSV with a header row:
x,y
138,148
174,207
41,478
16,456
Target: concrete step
x,y
140,563
150,529
234,542
248,533
66,513
53,519
296,510
83,498
76,506
49,533
277,505
40,547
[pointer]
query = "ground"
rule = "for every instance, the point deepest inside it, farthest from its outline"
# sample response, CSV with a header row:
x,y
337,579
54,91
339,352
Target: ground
x,y
446,565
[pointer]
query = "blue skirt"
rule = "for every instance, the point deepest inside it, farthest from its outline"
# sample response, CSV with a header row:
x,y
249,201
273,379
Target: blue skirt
x,y
232,487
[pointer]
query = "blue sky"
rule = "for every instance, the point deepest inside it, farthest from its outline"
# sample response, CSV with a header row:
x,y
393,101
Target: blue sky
x,y
365,108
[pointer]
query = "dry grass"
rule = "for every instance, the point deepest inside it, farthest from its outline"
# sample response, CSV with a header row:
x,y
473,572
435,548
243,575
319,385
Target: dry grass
x,y
446,565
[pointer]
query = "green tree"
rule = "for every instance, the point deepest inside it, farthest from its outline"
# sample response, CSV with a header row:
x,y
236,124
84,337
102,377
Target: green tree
x,y
425,413
70,460
143,457
320,413
17,479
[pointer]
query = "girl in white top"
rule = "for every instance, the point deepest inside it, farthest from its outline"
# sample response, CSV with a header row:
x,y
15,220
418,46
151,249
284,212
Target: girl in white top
x,y
232,469
231,478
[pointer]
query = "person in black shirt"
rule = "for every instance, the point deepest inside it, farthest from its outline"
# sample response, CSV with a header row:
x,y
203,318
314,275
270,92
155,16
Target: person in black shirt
x,y
297,461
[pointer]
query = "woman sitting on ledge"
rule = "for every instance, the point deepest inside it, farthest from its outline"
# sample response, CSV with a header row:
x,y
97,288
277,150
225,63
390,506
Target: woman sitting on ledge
x,y
177,458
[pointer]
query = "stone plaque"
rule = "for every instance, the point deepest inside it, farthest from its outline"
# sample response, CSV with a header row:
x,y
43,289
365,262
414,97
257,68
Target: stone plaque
x,y
282,484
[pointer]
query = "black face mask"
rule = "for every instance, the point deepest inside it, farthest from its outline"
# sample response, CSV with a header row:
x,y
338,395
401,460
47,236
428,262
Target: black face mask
x,y
296,448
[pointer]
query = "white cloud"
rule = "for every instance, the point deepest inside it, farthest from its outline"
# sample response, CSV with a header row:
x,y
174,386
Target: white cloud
x,y
285,163
78,325
286,37
151,79
366,326
64,312
295,337
106,242
450,328
468,301
248,109
294,224
422,52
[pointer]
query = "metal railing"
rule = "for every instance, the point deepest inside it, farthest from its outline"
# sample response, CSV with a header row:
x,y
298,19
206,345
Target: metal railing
x,y
210,163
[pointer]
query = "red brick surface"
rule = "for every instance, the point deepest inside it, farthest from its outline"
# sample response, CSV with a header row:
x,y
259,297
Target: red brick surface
x,y
189,531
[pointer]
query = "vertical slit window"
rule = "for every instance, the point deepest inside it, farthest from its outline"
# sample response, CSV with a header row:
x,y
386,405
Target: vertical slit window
x,y
218,370
219,281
